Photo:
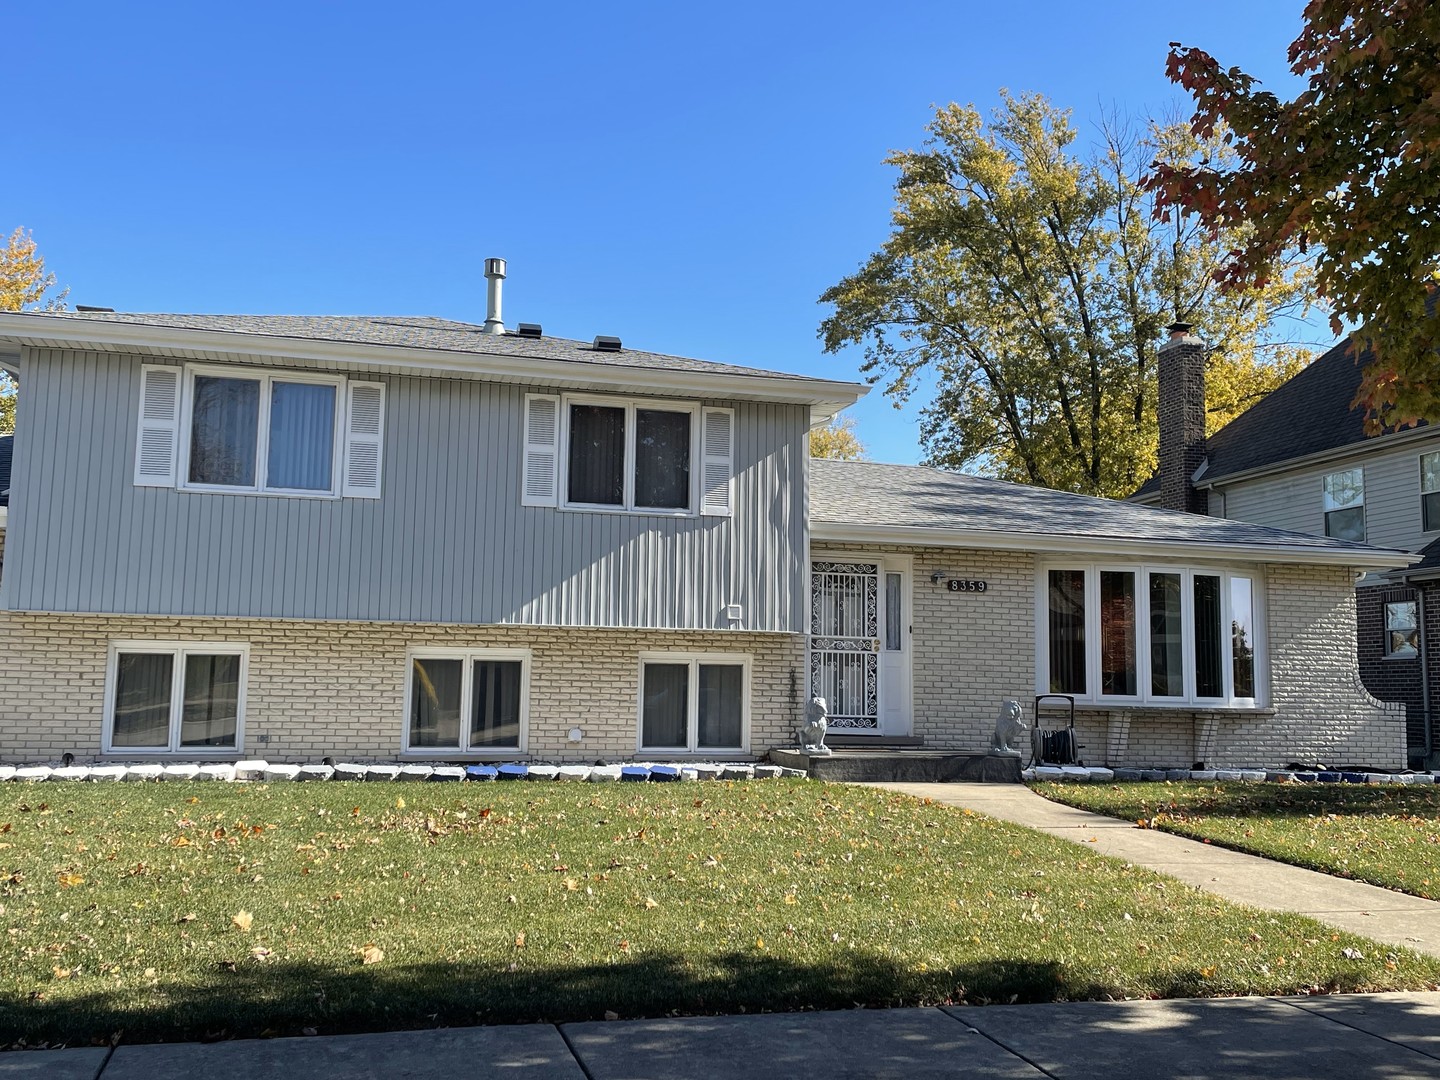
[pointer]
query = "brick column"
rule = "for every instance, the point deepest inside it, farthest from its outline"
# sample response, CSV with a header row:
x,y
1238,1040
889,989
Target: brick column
x,y
1182,419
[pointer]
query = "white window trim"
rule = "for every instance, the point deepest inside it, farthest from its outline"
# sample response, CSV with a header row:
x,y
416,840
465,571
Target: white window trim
x,y
1326,499
1145,698
630,405
265,376
179,650
467,677
692,718
1420,467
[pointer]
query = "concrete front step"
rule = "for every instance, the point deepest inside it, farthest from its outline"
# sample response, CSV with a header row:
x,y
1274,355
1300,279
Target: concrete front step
x,y
901,766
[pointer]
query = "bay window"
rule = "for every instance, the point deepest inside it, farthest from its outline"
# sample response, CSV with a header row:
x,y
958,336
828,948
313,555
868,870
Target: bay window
x,y
1142,634
694,704
174,698
466,701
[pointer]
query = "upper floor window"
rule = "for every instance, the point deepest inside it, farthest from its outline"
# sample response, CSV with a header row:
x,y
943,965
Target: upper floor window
x,y
1162,635
1345,505
604,453
1430,491
235,429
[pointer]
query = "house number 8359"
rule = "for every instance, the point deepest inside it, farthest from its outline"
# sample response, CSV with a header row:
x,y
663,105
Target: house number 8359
x,y
965,585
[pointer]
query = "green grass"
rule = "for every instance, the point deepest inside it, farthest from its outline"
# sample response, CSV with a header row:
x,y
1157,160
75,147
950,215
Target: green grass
x,y
520,902
1388,836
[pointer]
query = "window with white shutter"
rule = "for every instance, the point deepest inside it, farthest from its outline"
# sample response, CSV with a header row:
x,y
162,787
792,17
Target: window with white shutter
x,y
158,439
718,462
542,451
364,436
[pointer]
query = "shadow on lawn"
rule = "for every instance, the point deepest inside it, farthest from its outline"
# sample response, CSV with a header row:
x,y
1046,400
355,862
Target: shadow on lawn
x,y
286,997
1281,800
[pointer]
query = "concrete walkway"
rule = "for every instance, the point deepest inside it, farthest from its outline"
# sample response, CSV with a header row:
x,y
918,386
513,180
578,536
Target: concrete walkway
x,y
1355,1037
1382,914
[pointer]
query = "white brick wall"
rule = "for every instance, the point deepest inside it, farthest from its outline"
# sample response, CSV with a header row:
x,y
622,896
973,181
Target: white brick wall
x,y
973,650
318,688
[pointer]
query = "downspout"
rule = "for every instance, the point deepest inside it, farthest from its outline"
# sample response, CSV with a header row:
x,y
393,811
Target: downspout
x,y
1424,643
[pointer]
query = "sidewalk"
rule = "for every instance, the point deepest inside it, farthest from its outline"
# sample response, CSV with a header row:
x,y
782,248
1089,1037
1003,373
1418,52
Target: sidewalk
x,y
1381,914
1355,1037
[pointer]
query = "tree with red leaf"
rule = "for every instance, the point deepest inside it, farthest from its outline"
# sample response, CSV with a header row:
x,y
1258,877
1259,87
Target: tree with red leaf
x,y
1349,169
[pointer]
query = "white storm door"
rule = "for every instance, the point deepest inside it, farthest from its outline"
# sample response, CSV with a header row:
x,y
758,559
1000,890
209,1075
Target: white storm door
x,y
845,643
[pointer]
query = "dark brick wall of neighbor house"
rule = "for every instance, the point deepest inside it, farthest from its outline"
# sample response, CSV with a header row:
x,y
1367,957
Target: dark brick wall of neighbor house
x,y
1399,679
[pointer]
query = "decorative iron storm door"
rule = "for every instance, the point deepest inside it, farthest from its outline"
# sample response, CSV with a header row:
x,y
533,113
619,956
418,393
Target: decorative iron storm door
x,y
845,642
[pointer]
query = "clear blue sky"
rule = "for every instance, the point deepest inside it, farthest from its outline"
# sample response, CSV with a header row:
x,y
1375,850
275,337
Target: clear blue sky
x,y
689,177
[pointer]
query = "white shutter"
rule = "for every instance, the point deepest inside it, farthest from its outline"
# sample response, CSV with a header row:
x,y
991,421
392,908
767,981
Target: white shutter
x,y
364,435
717,462
159,434
542,451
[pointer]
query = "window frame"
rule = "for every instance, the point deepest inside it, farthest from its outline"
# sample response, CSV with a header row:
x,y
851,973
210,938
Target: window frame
x,y
629,406
1326,509
1427,526
1146,698
266,378
694,660
178,650
467,657
1386,630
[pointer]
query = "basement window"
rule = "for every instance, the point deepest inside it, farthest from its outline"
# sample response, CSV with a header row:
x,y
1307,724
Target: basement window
x,y
694,704
470,701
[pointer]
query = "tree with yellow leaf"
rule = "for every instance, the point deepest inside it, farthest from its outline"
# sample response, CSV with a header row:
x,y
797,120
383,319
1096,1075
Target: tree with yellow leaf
x,y
23,283
837,440
1029,284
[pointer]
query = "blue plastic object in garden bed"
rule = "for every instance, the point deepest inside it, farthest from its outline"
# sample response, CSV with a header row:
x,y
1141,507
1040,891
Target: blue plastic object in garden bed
x,y
512,772
665,772
1328,777
634,773
480,772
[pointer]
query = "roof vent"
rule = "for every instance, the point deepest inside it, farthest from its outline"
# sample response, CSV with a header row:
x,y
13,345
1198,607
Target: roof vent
x,y
605,344
494,278
87,307
529,329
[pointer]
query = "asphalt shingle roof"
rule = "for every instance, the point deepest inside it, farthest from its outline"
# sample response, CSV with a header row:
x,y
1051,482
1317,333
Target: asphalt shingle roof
x,y
911,496
420,332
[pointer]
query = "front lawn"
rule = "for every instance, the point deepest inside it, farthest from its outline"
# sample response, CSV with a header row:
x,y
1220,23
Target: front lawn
x,y
177,910
1388,836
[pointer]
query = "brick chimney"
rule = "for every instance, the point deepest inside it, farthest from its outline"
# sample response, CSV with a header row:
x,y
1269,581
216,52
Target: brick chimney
x,y
1182,419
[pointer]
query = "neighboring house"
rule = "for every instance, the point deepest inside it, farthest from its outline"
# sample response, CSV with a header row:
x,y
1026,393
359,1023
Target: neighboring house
x,y
1299,459
384,538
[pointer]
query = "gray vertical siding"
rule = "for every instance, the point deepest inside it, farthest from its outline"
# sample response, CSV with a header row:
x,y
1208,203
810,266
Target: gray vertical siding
x,y
1293,500
447,542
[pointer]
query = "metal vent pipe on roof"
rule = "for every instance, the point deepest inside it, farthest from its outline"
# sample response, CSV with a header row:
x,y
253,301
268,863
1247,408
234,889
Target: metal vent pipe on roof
x,y
494,277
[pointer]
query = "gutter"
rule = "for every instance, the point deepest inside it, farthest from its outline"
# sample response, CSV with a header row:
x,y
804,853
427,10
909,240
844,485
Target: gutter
x,y
930,536
822,394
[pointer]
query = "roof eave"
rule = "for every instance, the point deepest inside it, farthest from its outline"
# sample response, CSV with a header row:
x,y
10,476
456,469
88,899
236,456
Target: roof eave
x,y
820,394
1319,457
923,536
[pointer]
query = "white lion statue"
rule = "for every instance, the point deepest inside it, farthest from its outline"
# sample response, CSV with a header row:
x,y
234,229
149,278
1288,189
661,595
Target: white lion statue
x,y
812,732
1009,726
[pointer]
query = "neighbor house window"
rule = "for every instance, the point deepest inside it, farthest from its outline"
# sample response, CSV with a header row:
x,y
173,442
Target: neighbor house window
x,y
1402,630
629,456
470,701
262,432
174,698
1344,495
1430,491
1149,634
691,704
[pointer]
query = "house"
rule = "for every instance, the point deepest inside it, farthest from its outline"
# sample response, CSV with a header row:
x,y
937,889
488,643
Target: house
x,y
412,538
1300,460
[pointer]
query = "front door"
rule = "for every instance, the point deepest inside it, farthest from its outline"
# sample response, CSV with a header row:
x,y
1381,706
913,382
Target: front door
x,y
859,659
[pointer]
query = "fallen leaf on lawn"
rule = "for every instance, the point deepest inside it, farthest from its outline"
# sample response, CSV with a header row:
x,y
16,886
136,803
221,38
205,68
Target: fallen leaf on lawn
x,y
149,973
260,953
571,884
61,973
371,954
180,841
651,902
611,1014
1352,954
186,918
520,940
69,880
759,943
242,920
790,898
399,804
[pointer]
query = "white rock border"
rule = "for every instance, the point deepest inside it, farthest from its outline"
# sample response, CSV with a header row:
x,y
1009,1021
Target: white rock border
x,y
1101,775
